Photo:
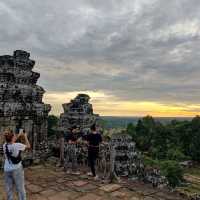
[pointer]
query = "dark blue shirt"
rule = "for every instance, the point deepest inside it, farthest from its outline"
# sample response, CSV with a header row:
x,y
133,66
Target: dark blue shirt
x,y
94,139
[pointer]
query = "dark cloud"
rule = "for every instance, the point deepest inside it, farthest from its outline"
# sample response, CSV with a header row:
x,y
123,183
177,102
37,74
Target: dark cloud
x,y
137,50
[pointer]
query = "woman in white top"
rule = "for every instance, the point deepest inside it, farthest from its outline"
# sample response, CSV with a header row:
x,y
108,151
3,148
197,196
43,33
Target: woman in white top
x,y
13,170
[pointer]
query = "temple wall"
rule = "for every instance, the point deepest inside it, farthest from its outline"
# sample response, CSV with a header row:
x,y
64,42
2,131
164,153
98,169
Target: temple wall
x,y
21,105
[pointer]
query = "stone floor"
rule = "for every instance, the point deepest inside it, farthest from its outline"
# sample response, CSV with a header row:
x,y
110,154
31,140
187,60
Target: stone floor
x,y
50,183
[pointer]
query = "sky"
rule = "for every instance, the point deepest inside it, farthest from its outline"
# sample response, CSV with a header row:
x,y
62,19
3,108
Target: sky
x,y
133,57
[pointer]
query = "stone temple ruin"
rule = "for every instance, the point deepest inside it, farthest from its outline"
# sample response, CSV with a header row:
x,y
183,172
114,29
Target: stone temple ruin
x,y
78,112
118,156
21,107
21,103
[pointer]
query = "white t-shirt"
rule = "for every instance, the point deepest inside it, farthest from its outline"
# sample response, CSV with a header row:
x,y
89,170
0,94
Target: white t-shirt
x,y
14,149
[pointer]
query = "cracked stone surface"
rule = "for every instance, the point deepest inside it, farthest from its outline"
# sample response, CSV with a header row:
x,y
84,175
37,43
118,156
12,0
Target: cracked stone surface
x,y
49,183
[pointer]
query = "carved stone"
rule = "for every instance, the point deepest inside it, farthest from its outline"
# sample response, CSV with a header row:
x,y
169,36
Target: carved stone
x,y
21,103
78,112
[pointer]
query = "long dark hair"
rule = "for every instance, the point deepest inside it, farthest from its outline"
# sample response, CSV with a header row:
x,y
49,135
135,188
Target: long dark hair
x,y
93,127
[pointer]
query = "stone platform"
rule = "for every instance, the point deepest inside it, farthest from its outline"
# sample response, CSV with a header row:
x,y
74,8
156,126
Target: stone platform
x,y
51,183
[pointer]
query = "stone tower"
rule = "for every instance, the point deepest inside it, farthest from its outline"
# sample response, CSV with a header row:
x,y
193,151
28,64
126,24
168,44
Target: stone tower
x,y
78,112
21,103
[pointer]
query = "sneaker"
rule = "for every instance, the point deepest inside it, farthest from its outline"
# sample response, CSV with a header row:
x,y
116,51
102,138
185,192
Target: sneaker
x,y
76,173
64,169
58,165
96,178
89,174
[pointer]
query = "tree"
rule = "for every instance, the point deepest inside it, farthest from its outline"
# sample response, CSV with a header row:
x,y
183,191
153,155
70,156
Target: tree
x,y
194,149
176,154
130,129
180,135
103,123
52,124
173,172
159,142
145,130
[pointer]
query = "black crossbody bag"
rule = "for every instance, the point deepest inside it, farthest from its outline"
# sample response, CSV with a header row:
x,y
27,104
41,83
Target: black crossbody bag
x,y
13,159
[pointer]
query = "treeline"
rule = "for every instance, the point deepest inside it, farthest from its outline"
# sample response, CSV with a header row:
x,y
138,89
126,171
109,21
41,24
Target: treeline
x,y
178,140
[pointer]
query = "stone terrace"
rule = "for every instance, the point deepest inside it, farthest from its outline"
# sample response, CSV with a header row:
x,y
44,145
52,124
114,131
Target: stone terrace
x,y
50,183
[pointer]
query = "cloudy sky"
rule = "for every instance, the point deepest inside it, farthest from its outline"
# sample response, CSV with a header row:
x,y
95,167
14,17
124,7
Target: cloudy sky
x,y
133,57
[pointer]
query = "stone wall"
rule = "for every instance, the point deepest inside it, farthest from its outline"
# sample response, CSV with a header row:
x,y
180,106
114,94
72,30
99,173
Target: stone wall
x,y
21,104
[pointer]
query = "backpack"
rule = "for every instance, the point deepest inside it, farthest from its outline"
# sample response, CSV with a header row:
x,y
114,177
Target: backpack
x,y
13,159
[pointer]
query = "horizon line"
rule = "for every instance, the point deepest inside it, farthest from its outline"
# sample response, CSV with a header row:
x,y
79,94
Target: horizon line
x,y
124,116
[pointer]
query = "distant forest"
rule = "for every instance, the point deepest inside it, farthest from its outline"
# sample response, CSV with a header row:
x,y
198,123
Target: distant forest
x,y
122,122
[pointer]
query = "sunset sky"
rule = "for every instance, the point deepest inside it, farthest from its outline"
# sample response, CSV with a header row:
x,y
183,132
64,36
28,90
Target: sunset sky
x,y
133,57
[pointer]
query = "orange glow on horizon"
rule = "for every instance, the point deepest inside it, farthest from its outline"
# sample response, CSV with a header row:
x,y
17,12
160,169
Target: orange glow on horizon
x,y
107,105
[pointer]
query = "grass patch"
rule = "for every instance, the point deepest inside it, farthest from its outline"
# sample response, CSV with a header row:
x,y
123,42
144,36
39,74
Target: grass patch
x,y
194,184
195,171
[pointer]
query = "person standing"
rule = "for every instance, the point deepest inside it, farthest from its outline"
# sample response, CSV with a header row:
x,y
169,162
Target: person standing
x,y
94,139
71,151
13,169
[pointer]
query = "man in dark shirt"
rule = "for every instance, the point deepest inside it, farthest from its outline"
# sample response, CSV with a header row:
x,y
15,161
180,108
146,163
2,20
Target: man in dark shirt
x,y
94,139
71,150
